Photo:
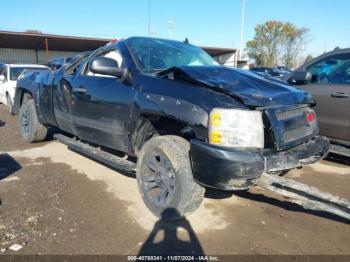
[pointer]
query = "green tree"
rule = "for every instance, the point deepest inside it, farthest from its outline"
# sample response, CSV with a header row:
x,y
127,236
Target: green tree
x,y
264,48
276,42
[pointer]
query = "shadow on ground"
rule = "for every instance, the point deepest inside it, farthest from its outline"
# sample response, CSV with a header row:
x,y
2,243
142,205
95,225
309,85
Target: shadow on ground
x,y
339,159
8,165
217,194
131,174
171,238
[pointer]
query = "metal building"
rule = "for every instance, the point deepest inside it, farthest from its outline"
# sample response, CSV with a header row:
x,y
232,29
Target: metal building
x,y
35,48
16,47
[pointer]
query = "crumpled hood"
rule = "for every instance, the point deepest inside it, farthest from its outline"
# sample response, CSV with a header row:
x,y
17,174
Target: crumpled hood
x,y
253,90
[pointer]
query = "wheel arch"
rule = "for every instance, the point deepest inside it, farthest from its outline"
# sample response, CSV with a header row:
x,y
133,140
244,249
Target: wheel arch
x,y
149,125
21,95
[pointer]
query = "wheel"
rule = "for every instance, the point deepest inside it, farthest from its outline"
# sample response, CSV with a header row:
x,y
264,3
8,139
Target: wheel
x,y
31,129
165,178
9,104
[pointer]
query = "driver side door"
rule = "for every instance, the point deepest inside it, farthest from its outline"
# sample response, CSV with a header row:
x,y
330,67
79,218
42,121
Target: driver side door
x,y
102,106
330,86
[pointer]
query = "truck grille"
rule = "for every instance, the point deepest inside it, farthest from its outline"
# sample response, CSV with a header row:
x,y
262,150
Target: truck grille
x,y
288,114
296,134
290,126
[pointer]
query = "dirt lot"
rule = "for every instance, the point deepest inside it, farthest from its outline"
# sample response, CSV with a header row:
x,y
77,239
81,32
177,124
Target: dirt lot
x,y
55,201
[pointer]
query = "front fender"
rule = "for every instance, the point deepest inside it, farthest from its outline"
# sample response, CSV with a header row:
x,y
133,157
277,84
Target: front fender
x,y
174,108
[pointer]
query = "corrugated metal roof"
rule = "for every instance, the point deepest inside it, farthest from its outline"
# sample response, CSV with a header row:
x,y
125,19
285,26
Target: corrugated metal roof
x,y
55,42
36,41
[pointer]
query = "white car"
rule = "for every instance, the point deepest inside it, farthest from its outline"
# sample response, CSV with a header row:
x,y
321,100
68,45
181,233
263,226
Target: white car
x,y
8,81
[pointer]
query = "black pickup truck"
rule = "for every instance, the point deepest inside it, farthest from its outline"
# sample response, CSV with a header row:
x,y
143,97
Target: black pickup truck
x,y
187,122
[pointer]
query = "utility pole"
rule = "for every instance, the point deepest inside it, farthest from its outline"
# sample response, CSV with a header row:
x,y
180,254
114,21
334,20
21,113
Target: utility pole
x,y
47,49
149,18
242,29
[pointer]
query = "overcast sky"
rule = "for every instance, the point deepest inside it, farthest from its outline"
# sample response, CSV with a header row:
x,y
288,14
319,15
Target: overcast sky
x,y
204,22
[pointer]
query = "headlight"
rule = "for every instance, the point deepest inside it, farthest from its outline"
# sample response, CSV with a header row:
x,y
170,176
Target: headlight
x,y
236,128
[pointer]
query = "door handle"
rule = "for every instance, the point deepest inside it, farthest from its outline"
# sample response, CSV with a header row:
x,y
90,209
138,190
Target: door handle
x,y
80,90
340,95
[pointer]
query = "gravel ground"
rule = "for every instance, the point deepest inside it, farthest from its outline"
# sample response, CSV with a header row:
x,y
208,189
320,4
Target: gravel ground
x,y
55,201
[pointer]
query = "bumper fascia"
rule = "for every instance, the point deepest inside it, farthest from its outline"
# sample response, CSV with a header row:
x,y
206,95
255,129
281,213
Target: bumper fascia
x,y
237,168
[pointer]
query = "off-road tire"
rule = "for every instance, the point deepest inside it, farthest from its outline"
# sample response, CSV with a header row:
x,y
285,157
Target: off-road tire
x,y
198,190
9,104
187,195
31,129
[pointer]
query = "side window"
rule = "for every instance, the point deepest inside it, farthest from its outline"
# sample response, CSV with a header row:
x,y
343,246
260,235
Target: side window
x,y
331,70
4,72
75,64
113,54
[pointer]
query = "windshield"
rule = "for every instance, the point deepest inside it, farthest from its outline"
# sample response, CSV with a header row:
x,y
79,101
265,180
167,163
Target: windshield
x,y
16,71
154,55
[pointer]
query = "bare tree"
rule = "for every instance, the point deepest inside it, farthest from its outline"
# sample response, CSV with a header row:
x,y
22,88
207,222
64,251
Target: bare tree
x,y
294,40
308,58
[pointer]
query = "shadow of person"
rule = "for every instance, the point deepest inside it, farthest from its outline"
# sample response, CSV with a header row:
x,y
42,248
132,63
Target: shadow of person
x,y
8,165
171,238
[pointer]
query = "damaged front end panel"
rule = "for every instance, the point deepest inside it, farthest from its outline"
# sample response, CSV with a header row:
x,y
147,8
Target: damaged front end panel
x,y
252,90
222,168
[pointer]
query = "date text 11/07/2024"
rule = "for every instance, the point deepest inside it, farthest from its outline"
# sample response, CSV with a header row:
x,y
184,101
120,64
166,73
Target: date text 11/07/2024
x,y
173,258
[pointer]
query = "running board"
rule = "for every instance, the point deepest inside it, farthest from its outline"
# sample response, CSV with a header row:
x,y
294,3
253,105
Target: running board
x,y
96,154
340,150
306,196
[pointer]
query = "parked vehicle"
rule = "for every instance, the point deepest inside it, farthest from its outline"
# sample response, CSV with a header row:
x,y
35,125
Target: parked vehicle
x,y
327,78
272,71
58,62
190,122
8,79
284,69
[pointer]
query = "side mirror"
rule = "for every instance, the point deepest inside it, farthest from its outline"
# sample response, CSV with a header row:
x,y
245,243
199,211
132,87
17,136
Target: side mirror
x,y
106,66
2,78
299,78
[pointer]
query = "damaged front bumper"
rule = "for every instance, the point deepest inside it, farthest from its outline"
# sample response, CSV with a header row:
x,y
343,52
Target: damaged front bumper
x,y
237,168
